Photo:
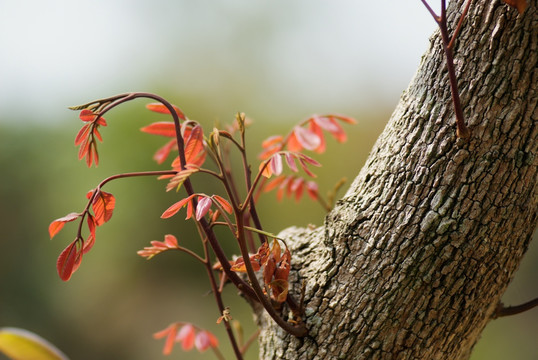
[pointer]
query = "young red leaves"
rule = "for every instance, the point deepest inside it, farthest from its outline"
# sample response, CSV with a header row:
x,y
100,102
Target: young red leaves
x,y
276,268
69,260
103,204
157,247
188,335
87,135
292,186
191,132
203,206
308,135
273,165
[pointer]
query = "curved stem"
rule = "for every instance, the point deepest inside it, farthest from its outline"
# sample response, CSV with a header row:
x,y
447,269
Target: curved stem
x,y
514,310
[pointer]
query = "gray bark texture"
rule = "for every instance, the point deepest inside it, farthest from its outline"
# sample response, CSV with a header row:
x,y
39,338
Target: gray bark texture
x,y
414,259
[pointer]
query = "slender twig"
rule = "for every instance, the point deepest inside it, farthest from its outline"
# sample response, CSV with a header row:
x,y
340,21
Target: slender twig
x,y
462,130
514,310
458,27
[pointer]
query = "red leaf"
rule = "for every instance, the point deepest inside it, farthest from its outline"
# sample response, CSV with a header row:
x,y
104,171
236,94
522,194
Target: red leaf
x,y
194,147
82,134
272,141
223,203
308,139
171,333
316,129
293,143
345,119
160,108
91,239
338,133
86,115
170,241
161,154
274,183
520,5
204,203
103,206
58,224
172,210
69,259
162,128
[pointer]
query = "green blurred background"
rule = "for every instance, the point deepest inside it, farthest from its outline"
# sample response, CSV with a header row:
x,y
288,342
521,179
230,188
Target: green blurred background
x,y
278,61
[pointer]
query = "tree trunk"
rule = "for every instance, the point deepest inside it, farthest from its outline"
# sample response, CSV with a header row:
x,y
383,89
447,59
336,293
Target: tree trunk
x,y
413,261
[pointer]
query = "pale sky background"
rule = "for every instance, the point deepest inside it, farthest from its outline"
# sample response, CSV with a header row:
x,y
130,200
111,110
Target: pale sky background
x,y
60,52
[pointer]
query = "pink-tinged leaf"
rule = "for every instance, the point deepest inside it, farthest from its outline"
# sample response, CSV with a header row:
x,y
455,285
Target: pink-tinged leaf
x,y
86,115
162,128
205,340
312,190
171,241
308,139
186,336
172,210
339,134
324,123
272,141
103,206
160,108
297,187
69,259
239,264
58,224
223,203
308,159
204,203
170,333
316,129
291,162
276,164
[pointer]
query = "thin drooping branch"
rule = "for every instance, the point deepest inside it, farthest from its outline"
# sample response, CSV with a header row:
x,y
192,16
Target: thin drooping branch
x,y
514,310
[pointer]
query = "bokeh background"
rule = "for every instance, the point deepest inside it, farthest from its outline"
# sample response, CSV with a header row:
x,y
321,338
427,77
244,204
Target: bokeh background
x,y
278,61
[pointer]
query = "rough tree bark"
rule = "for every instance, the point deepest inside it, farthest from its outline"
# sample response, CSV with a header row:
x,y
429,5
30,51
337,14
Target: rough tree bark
x,y
413,261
